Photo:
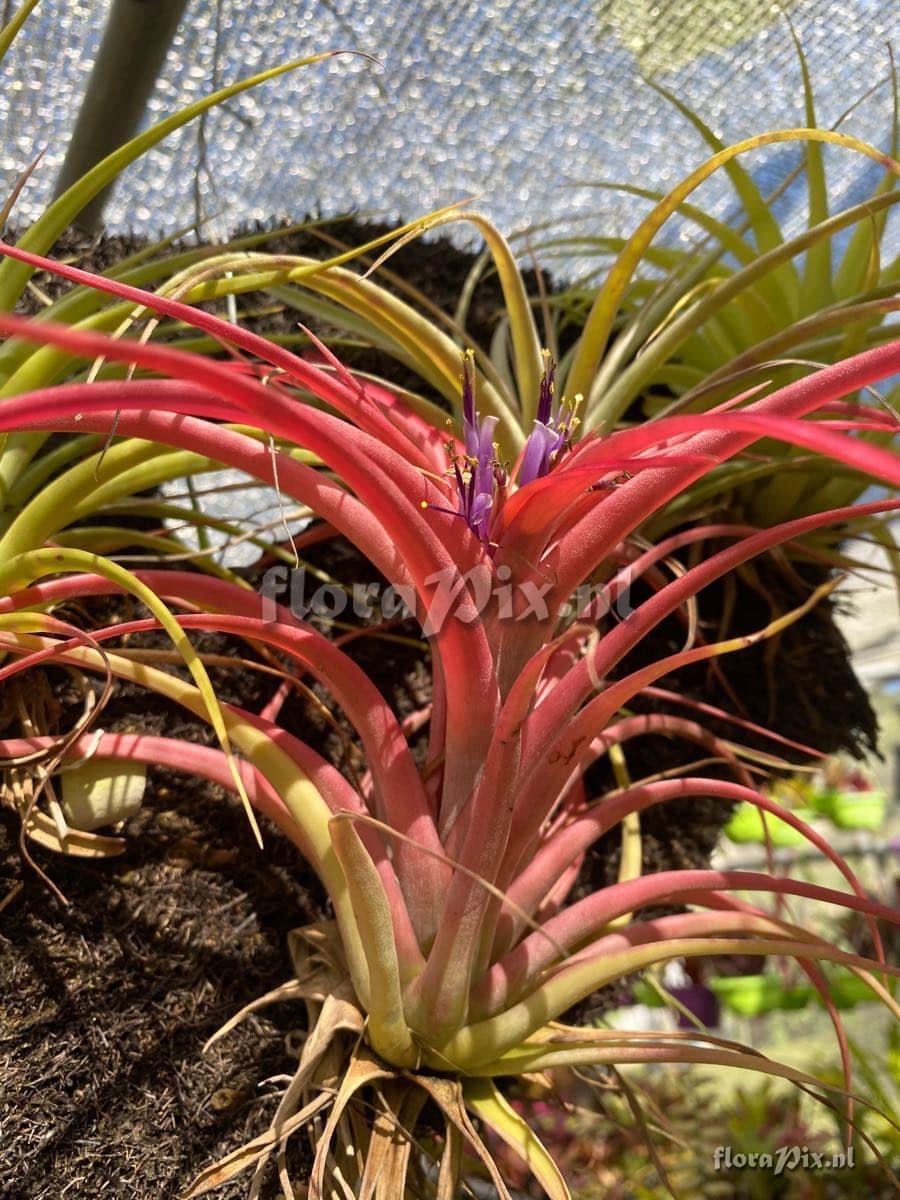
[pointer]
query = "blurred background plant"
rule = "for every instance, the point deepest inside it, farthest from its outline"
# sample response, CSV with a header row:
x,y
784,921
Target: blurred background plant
x,y
645,1135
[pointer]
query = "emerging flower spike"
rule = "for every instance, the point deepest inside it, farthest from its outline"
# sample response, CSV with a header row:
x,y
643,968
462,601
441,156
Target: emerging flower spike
x,y
553,429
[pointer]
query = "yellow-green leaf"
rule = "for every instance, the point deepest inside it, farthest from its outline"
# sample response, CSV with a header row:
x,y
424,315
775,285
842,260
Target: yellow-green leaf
x,y
487,1102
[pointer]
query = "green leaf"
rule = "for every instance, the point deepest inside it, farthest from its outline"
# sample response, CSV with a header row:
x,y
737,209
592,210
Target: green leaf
x,y
490,1105
857,259
816,290
388,1031
11,29
759,215
729,238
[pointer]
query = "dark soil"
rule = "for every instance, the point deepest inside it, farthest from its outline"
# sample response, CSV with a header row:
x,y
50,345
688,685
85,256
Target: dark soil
x,y
106,1003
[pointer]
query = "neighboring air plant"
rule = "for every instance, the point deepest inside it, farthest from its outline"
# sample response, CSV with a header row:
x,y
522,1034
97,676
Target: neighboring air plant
x,y
456,948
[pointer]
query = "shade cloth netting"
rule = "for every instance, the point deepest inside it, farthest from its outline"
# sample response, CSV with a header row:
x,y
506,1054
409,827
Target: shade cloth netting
x,y
512,100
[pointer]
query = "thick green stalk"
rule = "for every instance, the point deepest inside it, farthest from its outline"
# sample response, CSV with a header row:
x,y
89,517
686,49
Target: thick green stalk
x,y
131,54
388,1031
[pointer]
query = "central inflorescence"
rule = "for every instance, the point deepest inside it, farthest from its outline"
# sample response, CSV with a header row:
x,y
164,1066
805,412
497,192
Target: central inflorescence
x,y
482,478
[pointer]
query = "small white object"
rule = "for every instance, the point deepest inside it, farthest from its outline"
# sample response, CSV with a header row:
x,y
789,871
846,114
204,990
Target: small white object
x,y
99,793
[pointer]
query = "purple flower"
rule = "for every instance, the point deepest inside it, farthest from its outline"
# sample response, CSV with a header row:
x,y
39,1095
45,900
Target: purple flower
x,y
475,483
480,476
552,431
537,458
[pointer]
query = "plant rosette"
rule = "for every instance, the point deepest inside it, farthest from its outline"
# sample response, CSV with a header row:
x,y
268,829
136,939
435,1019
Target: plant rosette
x,y
458,943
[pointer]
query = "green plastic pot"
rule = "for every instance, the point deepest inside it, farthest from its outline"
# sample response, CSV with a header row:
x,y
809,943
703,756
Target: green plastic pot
x,y
847,990
753,995
820,802
858,810
797,997
746,825
749,995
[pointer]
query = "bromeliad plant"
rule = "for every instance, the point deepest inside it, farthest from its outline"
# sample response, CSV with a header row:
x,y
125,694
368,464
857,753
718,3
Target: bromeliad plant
x,y
455,950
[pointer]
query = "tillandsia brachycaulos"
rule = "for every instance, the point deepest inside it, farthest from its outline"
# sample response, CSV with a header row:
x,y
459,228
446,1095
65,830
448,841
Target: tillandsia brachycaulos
x,y
455,948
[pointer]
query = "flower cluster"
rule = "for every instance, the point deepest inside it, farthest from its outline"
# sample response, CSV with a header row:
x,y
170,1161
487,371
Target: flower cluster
x,y
553,429
481,477
482,473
